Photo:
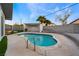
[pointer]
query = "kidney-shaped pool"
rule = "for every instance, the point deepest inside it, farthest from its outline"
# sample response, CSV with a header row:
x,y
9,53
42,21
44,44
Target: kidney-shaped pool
x,y
40,39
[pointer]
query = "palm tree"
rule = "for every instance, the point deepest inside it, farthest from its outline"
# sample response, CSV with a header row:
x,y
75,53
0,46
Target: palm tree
x,y
47,22
41,19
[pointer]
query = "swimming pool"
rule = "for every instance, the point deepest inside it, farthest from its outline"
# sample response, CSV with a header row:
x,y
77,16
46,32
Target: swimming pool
x,y
40,39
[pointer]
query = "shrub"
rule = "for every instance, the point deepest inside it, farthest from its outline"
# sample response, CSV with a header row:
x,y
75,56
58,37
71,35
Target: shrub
x,y
20,30
25,29
12,32
3,46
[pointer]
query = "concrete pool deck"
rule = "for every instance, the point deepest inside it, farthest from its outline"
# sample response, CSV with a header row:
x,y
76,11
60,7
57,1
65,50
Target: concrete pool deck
x,y
64,47
17,47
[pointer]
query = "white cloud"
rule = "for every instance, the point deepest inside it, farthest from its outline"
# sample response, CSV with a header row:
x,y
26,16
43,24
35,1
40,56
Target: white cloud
x,y
33,9
37,9
45,10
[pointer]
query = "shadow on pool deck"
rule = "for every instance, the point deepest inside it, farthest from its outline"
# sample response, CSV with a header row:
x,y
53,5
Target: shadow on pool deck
x,y
76,41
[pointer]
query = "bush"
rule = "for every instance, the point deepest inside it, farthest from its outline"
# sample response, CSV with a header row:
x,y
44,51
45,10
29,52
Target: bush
x,y
20,30
12,32
26,30
3,46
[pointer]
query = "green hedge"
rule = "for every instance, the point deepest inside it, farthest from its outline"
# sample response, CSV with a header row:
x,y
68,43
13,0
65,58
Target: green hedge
x,y
3,46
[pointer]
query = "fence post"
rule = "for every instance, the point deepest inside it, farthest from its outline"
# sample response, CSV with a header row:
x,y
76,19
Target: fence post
x,y
27,44
34,45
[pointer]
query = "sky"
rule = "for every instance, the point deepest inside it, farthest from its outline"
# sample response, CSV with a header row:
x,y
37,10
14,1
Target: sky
x,y
29,12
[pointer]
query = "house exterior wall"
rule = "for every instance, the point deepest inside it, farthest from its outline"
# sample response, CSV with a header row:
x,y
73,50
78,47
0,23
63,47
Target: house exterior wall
x,y
2,26
8,27
76,22
17,27
0,21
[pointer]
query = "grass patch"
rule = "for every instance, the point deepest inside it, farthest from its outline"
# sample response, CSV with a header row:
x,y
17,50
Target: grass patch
x,y
3,46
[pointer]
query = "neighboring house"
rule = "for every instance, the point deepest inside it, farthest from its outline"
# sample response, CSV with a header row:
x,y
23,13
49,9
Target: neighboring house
x,y
75,22
17,27
8,29
32,27
35,27
5,14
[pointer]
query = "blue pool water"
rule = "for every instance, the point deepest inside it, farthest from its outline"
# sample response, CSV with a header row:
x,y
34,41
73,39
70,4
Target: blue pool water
x,y
41,39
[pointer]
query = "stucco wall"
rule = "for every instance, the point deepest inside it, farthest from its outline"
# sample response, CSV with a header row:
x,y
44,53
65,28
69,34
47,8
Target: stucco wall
x,y
15,28
0,21
71,28
2,26
8,27
33,28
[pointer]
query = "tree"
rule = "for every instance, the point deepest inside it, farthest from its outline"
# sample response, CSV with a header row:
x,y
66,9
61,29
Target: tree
x,y
63,17
47,22
41,19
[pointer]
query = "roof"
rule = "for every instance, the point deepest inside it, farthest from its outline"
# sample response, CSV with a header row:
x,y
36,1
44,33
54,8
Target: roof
x,y
32,24
7,10
74,21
